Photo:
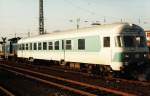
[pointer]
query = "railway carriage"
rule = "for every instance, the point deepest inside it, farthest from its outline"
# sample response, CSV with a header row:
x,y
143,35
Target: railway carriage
x,y
9,49
118,47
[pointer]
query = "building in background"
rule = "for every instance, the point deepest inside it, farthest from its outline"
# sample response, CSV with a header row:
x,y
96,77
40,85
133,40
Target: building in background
x,y
148,38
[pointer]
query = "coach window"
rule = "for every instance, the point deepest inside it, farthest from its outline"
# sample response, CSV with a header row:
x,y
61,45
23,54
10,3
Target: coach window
x,y
44,45
26,46
20,47
39,46
118,41
50,45
30,46
106,42
23,47
81,44
68,45
56,45
35,46
62,44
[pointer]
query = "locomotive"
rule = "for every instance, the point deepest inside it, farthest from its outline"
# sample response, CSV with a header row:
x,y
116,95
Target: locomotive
x,y
8,49
118,49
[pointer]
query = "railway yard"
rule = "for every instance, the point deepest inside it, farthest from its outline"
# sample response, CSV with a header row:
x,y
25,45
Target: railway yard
x,y
94,58
31,80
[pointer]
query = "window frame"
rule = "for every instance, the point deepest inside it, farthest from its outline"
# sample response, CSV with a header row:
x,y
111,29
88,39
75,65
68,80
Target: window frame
x,y
23,47
56,45
106,44
44,45
68,46
34,46
26,46
20,46
50,45
39,46
30,46
81,44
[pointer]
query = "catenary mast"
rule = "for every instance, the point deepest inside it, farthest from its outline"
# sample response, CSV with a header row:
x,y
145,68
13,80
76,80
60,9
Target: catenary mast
x,y
41,18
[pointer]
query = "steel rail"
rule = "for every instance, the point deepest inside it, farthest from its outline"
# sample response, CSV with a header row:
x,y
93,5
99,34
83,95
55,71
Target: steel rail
x,y
131,81
76,91
79,83
8,93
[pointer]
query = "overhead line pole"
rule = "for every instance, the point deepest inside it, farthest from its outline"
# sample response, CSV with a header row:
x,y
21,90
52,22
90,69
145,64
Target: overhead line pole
x,y
41,18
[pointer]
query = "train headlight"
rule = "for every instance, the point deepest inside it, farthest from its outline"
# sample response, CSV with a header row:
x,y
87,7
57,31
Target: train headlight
x,y
126,55
145,55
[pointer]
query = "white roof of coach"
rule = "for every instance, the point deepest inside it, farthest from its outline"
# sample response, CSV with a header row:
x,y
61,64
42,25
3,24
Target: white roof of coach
x,y
100,29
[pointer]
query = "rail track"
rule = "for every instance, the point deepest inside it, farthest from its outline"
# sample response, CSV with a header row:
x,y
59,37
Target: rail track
x,y
63,69
142,83
5,92
130,86
65,84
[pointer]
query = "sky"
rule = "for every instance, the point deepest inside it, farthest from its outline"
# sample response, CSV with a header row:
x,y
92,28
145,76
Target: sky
x,y
18,17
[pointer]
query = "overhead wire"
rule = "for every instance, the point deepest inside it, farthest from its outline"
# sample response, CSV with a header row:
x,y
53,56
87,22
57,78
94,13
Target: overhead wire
x,y
112,18
79,7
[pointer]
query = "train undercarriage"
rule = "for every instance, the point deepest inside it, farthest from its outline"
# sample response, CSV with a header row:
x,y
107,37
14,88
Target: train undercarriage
x,y
135,70
139,70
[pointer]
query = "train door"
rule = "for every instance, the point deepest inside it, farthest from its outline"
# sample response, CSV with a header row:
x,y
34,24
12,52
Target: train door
x,y
63,48
106,49
62,61
116,51
22,50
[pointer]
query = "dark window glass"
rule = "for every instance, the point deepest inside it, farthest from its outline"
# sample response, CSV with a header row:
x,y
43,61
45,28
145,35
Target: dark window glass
x,y
118,41
26,46
44,45
129,41
106,41
23,47
62,44
39,46
35,46
56,45
134,41
68,45
81,44
50,45
20,47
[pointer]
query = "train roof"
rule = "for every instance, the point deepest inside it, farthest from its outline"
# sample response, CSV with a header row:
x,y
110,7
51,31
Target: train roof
x,y
147,31
99,29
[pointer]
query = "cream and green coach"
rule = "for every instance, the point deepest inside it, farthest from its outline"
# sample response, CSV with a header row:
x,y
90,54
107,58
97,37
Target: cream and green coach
x,y
108,47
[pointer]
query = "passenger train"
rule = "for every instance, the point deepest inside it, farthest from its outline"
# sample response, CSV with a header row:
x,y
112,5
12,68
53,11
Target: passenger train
x,y
118,48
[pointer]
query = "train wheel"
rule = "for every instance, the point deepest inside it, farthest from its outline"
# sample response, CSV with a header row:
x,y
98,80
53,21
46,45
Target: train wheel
x,y
137,76
109,75
141,77
147,74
